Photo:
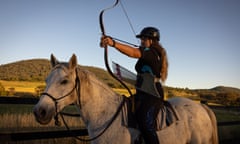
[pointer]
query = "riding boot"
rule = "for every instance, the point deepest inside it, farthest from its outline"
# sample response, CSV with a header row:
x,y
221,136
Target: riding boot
x,y
150,137
139,140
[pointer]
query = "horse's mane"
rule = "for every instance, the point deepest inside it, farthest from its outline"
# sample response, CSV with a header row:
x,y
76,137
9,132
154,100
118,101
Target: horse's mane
x,y
88,77
98,92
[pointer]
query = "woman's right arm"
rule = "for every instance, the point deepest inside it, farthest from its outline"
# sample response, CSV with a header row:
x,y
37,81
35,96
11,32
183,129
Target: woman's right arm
x,y
130,51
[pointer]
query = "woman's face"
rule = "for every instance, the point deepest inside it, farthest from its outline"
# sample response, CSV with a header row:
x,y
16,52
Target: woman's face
x,y
146,42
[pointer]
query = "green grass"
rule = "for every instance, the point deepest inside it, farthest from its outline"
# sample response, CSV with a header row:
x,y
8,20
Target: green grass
x,y
15,109
226,115
227,132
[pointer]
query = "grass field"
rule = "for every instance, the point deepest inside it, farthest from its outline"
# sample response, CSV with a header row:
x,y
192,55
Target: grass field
x,y
17,117
26,86
20,118
21,86
231,132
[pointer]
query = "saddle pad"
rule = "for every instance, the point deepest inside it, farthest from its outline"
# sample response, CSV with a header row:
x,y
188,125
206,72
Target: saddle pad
x,y
128,118
173,134
166,116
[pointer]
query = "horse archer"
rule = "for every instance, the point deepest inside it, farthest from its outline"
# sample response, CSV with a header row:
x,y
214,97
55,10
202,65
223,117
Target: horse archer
x,y
102,109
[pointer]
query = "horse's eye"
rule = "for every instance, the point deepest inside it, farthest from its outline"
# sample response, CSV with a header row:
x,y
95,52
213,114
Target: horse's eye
x,y
64,82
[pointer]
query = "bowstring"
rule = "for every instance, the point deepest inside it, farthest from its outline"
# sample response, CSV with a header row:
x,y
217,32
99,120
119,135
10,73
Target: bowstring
x,y
132,28
128,19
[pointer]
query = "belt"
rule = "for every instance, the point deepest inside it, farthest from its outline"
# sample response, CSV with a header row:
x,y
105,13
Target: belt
x,y
155,79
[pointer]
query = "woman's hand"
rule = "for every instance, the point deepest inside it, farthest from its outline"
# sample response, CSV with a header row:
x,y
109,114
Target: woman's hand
x,y
107,41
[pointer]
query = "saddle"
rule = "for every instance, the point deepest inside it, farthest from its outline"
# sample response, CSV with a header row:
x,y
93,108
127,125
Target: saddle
x,y
167,115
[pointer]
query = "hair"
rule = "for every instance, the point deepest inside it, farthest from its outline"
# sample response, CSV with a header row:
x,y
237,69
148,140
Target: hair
x,y
164,60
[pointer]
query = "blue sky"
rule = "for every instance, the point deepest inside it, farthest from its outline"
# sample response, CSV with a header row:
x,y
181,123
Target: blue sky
x,y
202,37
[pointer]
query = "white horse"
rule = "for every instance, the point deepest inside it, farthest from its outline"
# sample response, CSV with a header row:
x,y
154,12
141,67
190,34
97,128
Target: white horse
x,y
101,109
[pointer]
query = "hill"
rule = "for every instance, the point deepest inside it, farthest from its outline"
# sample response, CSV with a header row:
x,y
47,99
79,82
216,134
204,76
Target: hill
x,y
225,89
26,70
220,94
38,69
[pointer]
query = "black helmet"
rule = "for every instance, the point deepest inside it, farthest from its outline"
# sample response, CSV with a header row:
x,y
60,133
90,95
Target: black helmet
x,y
150,32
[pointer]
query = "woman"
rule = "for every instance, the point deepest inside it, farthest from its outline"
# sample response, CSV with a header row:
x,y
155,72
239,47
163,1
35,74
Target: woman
x,y
152,66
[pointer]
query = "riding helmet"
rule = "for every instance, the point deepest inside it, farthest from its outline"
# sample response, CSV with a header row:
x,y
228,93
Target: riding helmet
x,y
150,32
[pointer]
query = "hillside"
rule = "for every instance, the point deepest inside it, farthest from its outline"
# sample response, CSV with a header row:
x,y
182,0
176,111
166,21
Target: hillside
x,y
226,89
36,70
26,70
220,94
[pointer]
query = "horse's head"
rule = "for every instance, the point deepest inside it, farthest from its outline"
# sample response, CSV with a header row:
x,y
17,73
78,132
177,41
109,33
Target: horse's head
x,y
61,90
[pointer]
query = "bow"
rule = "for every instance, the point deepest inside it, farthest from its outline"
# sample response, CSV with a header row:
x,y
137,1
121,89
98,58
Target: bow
x,y
106,48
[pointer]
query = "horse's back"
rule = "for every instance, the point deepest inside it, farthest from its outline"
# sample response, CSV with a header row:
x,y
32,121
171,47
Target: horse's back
x,y
189,109
196,119
180,101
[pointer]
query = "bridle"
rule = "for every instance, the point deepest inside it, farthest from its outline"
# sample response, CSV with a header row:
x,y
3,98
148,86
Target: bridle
x,y
77,88
56,100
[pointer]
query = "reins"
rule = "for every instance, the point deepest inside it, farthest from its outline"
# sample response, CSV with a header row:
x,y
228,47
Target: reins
x,y
103,131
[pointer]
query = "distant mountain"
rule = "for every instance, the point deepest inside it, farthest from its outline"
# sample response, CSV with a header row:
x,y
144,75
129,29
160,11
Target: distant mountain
x,y
220,94
226,89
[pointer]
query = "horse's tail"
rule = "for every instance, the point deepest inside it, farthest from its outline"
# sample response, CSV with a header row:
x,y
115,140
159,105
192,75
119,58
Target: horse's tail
x,y
214,123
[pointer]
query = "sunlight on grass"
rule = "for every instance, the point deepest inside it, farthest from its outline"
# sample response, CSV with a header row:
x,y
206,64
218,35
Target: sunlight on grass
x,y
124,91
21,86
26,86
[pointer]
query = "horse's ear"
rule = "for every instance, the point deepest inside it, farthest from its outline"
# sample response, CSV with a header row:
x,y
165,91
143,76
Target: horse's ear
x,y
73,62
54,61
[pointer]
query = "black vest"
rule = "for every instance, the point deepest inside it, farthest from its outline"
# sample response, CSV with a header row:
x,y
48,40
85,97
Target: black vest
x,y
151,58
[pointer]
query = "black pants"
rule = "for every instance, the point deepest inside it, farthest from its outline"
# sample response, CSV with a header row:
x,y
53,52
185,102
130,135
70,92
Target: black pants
x,y
147,108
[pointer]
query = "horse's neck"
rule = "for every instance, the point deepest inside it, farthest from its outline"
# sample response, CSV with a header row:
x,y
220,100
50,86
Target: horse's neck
x,y
99,102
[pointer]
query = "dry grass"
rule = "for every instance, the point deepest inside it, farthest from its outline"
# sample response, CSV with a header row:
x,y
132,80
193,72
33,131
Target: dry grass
x,y
16,120
27,120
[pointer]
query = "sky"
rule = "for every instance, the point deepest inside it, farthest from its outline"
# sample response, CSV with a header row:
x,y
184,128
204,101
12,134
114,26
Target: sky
x,y
201,37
